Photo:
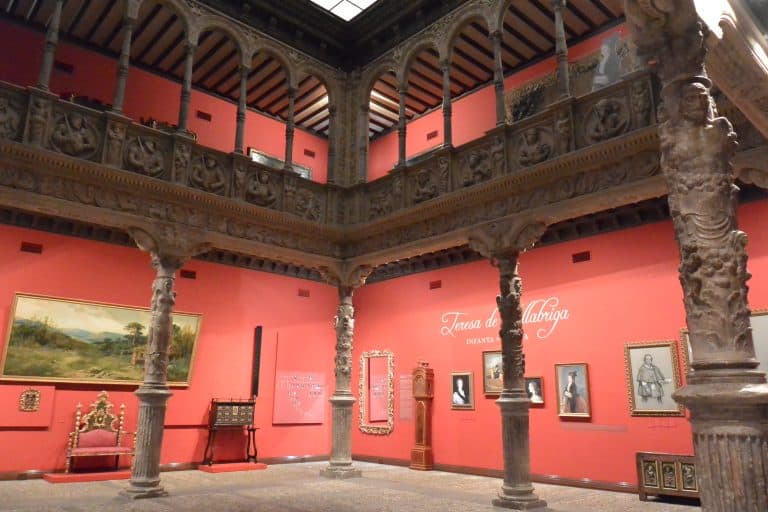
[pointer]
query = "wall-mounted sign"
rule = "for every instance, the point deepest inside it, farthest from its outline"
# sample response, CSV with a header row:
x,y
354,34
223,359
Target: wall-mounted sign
x,y
541,318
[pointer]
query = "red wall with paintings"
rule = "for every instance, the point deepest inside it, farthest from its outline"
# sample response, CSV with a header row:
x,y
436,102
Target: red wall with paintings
x,y
298,336
473,114
628,292
151,96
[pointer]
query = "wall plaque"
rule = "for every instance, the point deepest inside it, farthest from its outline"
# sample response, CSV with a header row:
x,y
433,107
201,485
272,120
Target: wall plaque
x,y
299,398
29,400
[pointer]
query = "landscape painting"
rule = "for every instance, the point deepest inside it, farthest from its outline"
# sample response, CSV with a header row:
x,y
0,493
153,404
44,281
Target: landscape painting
x,y
53,339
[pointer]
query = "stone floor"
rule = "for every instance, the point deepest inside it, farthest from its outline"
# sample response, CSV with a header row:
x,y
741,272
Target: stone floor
x,y
298,488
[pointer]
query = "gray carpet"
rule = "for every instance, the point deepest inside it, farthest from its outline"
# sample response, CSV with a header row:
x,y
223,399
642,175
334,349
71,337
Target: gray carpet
x,y
298,488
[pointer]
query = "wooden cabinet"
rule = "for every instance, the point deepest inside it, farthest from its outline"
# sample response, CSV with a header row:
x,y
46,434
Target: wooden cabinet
x,y
231,415
665,474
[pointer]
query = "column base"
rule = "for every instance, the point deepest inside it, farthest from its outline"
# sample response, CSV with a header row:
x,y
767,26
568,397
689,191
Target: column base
x,y
136,492
340,472
520,499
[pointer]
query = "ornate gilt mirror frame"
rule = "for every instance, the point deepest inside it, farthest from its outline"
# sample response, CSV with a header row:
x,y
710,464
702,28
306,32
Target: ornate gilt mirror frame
x,y
365,426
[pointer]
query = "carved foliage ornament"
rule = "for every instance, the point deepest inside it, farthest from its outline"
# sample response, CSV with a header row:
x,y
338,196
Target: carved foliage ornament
x,y
365,390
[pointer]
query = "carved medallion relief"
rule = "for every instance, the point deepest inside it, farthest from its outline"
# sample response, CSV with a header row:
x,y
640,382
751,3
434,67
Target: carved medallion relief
x,y
145,155
207,174
260,190
608,118
74,135
534,146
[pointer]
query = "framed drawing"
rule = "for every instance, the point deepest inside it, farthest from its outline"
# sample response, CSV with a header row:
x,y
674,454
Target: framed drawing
x,y
758,320
534,388
462,396
573,388
653,373
59,340
493,374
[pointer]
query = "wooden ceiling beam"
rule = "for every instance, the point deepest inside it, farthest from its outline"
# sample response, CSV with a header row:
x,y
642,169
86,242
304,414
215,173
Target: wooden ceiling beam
x,y
100,19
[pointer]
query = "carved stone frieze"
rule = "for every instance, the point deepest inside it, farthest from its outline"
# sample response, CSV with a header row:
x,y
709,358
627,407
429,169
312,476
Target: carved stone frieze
x,y
145,155
481,163
259,190
424,186
113,149
308,205
207,173
37,121
10,118
564,142
73,134
608,118
534,146
182,154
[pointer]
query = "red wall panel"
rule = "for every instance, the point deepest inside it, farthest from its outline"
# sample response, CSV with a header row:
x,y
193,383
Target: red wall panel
x,y
628,292
232,301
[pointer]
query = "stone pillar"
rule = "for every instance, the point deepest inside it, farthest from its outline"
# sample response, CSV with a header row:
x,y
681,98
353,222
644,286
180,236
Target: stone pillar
x,y
340,465
502,242
561,50
445,66
726,395
365,111
401,122
498,78
332,142
289,128
168,254
123,64
186,87
240,129
49,50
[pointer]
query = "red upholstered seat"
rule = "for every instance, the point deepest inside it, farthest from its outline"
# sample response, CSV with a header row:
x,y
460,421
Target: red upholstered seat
x,y
97,437
101,450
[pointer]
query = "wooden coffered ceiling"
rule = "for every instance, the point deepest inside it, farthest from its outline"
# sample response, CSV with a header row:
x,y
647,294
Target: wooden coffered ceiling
x,y
159,35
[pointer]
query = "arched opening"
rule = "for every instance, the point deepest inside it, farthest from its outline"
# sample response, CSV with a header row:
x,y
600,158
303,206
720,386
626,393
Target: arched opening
x,y
424,96
383,115
313,120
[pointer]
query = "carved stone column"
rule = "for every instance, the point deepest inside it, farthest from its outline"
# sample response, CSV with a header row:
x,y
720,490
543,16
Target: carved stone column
x,y
445,66
168,253
332,142
186,86
498,78
502,242
561,50
289,128
240,129
725,393
49,50
123,65
402,90
340,465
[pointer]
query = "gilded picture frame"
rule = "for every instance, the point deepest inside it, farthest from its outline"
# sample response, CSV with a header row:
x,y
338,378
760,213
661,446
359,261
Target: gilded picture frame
x,y
653,373
493,372
366,426
573,390
462,390
52,339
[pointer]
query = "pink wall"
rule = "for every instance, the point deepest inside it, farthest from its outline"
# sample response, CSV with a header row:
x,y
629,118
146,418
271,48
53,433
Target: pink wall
x,y
150,95
628,292
232,302
473,114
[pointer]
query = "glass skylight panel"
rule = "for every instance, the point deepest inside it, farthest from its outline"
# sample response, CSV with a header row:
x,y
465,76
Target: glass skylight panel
x,y
344,9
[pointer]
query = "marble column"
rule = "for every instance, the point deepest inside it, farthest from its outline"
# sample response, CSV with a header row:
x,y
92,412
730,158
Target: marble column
x,y
167,255
401,126
49,49
445,67
498,78
123,64
561,50
289,128
503,242
725,393
340,465
240,129
186,87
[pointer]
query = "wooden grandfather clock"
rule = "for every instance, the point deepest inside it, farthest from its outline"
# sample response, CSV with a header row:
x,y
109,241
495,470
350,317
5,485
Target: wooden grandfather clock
x,y
423,393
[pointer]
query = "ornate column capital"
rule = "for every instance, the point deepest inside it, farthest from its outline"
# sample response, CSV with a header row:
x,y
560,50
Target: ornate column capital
x,y
559,4
345,276
506,236
169,245
496,37
445,66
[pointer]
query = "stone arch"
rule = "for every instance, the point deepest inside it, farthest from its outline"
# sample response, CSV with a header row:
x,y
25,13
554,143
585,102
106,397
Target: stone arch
x,y
212,22
496,23
277,53
310,69
476,13
372,75
411,54
180,9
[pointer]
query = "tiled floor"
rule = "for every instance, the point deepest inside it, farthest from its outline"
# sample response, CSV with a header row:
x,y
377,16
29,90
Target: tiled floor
x,y
298,488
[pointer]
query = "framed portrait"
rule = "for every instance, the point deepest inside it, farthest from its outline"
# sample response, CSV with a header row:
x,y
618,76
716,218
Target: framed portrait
x,y
653,373
573,390
493,373
59,340
758,320
688,476
534,386
462,390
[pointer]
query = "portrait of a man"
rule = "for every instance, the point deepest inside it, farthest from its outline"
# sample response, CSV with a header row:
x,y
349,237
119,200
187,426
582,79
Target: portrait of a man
x,y
652,376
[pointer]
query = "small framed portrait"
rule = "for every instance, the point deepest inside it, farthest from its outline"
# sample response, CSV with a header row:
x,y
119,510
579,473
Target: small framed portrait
x,y
493,373
573,390
462,391
650,473
688,473
653,373
668,475
534,388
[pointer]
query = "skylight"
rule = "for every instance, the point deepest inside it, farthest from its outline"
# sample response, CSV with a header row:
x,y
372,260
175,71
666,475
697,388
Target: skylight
x,y
344,9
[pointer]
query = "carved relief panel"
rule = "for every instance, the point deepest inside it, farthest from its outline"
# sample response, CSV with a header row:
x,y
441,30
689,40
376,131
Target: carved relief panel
x,y
429,181
147,155
533,145
304,198
11,115
74,133
480,163
258,186
208,172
